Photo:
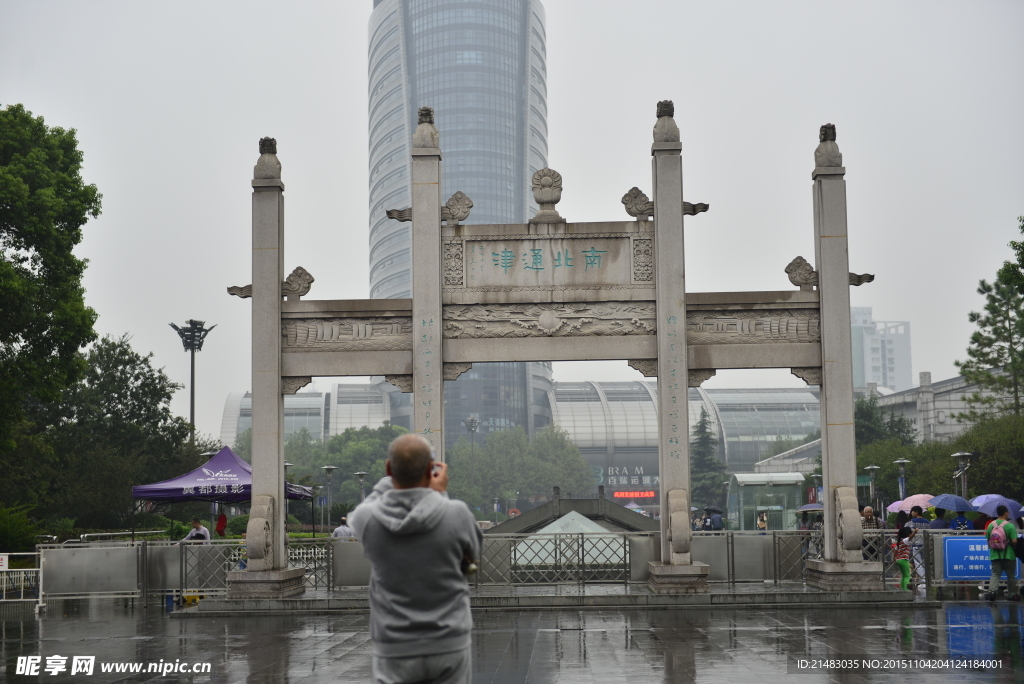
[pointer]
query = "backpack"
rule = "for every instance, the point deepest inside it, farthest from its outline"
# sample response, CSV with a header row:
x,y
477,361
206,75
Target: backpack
x,y
997,537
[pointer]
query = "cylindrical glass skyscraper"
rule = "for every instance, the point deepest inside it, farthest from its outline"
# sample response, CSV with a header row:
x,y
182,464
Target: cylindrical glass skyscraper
x,y
481,65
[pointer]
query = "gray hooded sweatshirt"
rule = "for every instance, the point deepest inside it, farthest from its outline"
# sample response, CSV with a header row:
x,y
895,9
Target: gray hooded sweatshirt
x,y
415,540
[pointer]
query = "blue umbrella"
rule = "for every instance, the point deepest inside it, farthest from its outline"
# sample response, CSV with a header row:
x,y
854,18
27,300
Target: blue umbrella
x,y
951,502
988,503
811,507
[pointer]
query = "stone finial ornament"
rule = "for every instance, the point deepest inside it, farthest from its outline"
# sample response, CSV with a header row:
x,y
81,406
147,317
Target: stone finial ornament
x,y
426,135
296,285
456,209
827,152
801,273
267,166
638,205
665,129
547,192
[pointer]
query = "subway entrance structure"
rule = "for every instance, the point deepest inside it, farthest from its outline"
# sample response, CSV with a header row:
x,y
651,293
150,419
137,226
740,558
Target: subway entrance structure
x,y
550,290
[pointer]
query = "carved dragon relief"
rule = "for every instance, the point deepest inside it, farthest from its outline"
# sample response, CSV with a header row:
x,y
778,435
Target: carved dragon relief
x,y
296,285
549,320
385,333
803,275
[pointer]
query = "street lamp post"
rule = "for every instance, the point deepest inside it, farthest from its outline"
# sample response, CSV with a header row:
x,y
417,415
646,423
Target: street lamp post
x,y
902,463
361,475
964,460
329,469
471,424
495,510
192,337
871,496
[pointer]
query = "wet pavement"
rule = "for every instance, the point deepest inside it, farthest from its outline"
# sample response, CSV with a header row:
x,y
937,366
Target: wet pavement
x,y
763,645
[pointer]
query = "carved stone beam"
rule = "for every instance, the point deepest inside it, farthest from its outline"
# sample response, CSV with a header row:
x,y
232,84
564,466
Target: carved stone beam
x,y
812,376
296,285
648,367
402,382
803,275
456,209
454,370
400,214
639,206
290,384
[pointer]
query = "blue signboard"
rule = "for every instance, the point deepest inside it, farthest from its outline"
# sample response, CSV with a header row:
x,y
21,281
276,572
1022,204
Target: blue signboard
x,y
966,558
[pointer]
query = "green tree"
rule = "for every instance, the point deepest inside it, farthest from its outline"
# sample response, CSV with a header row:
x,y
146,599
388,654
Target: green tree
x,y
1013,272
44,321
996,354
508,465
243,446
113,429
871,424
708,474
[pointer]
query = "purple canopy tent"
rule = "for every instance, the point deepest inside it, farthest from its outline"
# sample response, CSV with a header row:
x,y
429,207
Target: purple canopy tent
x,y
225,478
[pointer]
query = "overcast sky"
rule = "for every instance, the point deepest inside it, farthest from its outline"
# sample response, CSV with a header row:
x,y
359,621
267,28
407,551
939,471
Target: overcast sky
x,y
170,99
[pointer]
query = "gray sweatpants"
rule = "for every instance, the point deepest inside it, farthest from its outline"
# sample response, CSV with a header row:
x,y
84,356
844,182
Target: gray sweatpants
x,y
443,668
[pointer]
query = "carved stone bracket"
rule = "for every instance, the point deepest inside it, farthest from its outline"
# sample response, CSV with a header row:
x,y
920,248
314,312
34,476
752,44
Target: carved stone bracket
x,y
400,214
454,370
456,209
547,192
696,377
849,531
649,367
402,382
296,285
260,534
290,384
638,205
694,209
803,275
812,376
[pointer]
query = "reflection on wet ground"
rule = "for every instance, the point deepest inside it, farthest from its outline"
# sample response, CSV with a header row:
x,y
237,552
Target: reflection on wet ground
x,y
595,646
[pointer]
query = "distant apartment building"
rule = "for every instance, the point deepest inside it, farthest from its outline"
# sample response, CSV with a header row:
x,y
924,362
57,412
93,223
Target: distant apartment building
x,y
933,407
881,351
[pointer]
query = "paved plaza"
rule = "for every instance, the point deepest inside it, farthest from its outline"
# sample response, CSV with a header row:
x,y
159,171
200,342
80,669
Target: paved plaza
x,y
510,647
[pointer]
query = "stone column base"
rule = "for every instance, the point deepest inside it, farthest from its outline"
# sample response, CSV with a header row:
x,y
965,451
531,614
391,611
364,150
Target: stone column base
x,y
836,576
678,579
245,584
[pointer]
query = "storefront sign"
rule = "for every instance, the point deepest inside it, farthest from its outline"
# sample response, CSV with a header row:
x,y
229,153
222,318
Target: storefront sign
x,y
634,495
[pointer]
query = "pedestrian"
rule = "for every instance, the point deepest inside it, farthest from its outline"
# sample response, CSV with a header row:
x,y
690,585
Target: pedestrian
x,y
871,543
198,532
940,522
869,521
762,522
960,522
901,519
1002,538
902,554
342,530
716,521
917,518
421,545
804,524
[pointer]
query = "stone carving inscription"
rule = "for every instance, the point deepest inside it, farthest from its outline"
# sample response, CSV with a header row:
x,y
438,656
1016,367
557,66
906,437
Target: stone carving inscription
x,y
752,327
563,262
347,334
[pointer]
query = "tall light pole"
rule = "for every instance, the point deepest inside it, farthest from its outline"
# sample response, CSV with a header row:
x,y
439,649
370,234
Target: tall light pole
x,y
361,475
871,496
329,469
964,459
495,510
902,463
192,336
471,424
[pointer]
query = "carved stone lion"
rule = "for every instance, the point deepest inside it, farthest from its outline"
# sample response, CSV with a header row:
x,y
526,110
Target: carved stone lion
x,y
426,135
827,153
665,129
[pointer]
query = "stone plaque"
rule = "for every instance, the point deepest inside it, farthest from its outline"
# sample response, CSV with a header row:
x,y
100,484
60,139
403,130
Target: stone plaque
x,y
562,262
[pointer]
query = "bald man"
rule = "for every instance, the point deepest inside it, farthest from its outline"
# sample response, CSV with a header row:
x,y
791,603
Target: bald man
x,y
417,540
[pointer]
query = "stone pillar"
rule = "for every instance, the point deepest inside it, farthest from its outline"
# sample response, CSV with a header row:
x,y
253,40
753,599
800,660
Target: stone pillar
x,y
266,574
427,366
675,573
843,565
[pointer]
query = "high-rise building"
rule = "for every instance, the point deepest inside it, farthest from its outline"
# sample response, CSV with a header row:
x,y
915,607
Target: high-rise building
x,y
482,66
881,351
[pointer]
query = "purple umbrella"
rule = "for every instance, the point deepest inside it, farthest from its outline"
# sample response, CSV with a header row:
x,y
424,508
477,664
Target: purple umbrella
x,y
988,503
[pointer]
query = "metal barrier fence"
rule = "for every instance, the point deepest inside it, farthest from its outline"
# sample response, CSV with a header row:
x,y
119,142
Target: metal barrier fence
x,y
22,585
554,558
